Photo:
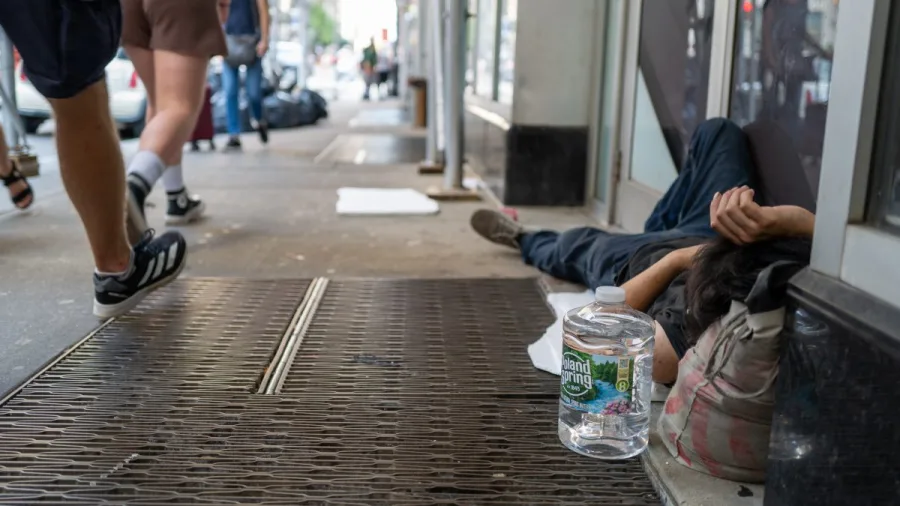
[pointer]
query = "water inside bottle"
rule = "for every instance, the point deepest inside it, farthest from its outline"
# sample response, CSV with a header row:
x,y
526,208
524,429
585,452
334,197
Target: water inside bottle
x,y
606,378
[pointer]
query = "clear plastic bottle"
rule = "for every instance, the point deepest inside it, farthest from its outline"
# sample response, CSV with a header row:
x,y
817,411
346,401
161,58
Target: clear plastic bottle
x,y
606,377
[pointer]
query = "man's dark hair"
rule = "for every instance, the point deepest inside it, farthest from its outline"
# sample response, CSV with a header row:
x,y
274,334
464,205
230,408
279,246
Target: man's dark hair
x,y
724,271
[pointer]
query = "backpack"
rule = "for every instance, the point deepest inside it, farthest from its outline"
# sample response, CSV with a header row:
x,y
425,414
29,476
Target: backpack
x,y
718,416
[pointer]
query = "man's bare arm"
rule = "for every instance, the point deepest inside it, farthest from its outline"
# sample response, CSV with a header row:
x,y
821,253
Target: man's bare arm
x,y
739,219
643,289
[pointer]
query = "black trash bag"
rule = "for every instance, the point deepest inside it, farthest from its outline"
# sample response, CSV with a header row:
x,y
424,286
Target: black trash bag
x,y
282,110
317,101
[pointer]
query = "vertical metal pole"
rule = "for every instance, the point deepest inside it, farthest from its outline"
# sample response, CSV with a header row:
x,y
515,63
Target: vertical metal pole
x,y
432,40
402,49
437,89
8,81
302,71
454,74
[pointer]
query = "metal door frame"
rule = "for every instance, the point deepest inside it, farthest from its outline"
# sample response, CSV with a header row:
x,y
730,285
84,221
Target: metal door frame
x,y
602,206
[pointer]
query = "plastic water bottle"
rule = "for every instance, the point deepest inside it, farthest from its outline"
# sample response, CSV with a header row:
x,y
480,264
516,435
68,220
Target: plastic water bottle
x,y
606,377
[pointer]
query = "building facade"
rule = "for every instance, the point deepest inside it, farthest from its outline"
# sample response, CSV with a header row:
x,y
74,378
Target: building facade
x,y
587,103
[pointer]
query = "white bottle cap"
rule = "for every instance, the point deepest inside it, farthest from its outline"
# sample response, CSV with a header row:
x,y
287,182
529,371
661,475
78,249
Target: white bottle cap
x,y
610,295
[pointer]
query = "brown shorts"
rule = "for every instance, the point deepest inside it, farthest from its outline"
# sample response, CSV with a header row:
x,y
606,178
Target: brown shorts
x,y
189,27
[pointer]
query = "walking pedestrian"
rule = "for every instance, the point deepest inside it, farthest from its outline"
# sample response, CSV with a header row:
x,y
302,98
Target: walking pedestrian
x,y
383,72
369,60
170,43
66,47
247,32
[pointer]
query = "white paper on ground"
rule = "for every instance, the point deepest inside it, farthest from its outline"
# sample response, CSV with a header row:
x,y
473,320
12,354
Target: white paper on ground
x,y
384,201
546,352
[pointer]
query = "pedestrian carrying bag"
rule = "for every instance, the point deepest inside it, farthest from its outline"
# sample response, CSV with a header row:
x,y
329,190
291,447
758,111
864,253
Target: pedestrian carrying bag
x,y
718,416
242,48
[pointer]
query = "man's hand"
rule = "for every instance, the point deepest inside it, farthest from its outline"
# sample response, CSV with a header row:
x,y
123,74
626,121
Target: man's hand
x,y
739,219
262,48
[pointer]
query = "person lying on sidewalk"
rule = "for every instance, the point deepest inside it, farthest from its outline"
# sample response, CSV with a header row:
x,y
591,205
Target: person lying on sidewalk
x,y
685,289
718,174
718,160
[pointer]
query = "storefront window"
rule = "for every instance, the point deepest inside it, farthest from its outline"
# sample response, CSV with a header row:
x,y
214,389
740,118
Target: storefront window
x,y
672,86
782,72
507,52
884,195
484,61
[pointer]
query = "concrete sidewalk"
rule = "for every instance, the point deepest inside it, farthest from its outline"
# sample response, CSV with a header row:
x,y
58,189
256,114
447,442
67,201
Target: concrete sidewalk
x,y
271,214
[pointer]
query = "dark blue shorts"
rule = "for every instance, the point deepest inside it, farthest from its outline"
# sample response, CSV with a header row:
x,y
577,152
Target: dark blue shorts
x,y
65,44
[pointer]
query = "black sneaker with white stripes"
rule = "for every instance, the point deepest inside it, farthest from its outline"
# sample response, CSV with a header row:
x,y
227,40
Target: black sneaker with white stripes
x,y
184,208
157,261
135,218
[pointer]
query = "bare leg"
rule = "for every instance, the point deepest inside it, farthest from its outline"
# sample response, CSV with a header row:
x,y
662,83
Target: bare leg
x,y
93,172
177,84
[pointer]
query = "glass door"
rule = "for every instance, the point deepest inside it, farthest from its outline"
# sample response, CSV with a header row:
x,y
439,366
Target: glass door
x,y
668,49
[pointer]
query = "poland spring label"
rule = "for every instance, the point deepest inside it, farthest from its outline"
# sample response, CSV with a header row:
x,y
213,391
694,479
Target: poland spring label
x,y
600,384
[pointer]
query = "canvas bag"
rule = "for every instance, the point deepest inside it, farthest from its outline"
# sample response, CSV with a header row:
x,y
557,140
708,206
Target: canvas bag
x,y
242,48
718,416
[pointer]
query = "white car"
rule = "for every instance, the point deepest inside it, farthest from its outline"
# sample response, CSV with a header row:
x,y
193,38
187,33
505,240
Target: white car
x,y
127,97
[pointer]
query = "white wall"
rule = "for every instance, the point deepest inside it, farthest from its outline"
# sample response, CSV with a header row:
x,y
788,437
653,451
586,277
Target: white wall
x,y
554,76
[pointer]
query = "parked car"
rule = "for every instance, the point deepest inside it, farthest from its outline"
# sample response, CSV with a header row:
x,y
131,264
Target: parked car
x,y
127,97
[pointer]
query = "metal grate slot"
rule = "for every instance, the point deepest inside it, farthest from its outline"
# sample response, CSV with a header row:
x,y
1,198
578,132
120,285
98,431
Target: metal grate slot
x,y
274,376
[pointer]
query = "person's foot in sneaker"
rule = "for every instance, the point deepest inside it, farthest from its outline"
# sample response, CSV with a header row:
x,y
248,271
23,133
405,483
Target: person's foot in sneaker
x,y
497,227
233,144
183,208
155,262
136,218
262,127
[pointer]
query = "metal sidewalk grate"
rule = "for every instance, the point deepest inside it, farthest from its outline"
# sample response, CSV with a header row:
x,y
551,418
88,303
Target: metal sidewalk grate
x,y
392,400
425,338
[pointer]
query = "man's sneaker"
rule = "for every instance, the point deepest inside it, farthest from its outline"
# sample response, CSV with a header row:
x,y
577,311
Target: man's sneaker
x,y
233,144
184,208
262,127
156,262
135,217
497,227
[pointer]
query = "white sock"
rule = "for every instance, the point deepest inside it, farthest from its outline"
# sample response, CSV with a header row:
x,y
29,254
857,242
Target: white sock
x,y
147,165
121,275
172,179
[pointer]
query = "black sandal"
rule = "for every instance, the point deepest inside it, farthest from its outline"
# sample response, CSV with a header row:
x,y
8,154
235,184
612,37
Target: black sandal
x,y
14,177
